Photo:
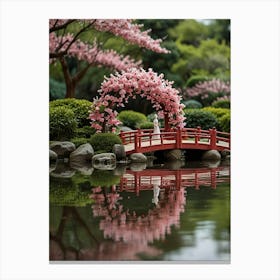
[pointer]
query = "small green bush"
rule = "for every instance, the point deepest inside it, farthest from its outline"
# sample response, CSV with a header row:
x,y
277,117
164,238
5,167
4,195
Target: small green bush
x,y
79,141
104,141
146,125
193,80
219,113
84,132
62,123
221,104
198,117
224,122
192,104
131,118
80,107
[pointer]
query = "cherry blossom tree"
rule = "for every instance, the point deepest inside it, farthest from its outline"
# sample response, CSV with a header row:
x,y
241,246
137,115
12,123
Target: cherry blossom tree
x,y
208,91
116,90
63,44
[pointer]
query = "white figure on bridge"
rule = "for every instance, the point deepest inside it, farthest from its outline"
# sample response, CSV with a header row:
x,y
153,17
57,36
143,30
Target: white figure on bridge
x,y
156,128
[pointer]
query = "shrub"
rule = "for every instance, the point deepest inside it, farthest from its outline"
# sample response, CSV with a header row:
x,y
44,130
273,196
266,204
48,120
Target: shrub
x,y
80,107
104,141
192,104
62,123
198,117
147,125
131,118
224,122
221,104
79,141
193,80
84,132
219,113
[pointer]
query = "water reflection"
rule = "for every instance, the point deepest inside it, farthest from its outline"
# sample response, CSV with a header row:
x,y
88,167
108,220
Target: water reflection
x,y
144,214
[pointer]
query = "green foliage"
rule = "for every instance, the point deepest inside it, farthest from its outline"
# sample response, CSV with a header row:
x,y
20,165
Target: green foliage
x,y
224,122
221,104
192,104
104,178
80,107
84,132
189,32
220,113
147,125
199,117
193,80
131,118
62,123
57,89
79,141
104,141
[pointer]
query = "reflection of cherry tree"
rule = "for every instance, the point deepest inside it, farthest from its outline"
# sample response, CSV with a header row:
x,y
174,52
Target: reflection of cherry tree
x,y
126,227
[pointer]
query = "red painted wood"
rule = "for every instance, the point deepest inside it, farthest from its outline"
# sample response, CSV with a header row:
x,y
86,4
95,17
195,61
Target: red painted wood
x,y
203,139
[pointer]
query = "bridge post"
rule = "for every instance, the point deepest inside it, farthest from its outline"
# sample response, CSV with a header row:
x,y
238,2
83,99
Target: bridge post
x,y
213,138
178,138
198,133
136,142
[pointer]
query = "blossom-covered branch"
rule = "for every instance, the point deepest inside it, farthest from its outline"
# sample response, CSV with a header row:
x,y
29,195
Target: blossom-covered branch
x,y
116,90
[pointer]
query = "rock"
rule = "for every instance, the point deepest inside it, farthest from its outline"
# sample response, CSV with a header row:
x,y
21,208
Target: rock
x,y
82,154
62,171
174,164
174,154
62,149
213,155
211,163
225,153
53,156
119,151
84,168
137,166
104,161
138,157
125,128
119,170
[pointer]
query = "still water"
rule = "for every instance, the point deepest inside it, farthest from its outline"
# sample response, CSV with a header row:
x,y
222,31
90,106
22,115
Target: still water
x,y
171,212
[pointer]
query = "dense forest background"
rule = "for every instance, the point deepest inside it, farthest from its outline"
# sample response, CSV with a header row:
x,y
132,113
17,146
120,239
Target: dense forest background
x,y
200,50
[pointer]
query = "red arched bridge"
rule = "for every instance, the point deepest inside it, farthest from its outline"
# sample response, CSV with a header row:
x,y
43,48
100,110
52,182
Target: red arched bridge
x,y
143,141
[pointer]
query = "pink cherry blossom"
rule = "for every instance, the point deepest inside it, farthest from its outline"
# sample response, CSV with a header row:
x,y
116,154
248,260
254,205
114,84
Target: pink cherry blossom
x,y
114,91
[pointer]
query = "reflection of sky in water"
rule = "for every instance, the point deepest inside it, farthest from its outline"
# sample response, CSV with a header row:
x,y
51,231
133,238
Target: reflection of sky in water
x,y
204,248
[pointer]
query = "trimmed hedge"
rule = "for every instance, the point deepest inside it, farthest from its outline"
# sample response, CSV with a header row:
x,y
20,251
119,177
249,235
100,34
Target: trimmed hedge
x,y
221,104
62,123
80,107
79,141
84,132
198,117
223,122
192,104
131,118
104,142
146,125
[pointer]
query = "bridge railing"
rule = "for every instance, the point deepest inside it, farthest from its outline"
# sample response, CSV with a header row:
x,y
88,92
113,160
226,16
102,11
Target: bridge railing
x,y
210,137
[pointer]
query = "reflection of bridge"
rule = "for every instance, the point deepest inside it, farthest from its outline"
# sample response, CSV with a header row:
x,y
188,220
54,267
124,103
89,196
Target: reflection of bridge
x,y
173,179
143,141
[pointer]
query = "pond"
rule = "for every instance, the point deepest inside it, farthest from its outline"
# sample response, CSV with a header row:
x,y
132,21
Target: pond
x,y
161,212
